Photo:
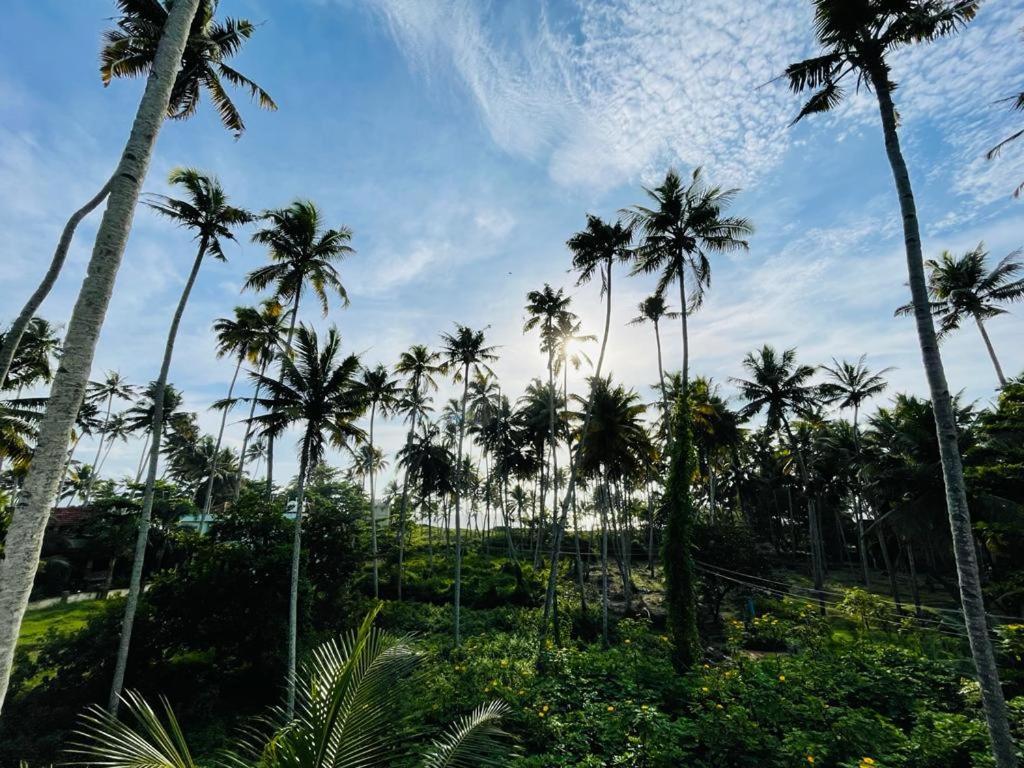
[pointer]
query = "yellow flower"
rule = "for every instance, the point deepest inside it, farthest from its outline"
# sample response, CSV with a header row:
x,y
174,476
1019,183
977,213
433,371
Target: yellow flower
x,y
611,708
707,666
810,759
664,638
494,683
782,679
719,706
545,707
521,691
867,761
487,689
705,689
643,707
540,714
628,641
504,662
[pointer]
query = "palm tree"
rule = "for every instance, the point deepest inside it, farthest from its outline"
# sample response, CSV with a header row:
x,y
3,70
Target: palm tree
x,y
202,45
25,535
857,39
420,367
207,212
653,310
112,387
850,386
594,250
960,288
1016,103
140,416
343,719
32,363
677,234
379,391
303,255
319,389
780,387
461,351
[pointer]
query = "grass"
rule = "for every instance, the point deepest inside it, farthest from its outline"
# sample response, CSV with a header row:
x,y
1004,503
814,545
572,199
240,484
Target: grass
x,y
37,623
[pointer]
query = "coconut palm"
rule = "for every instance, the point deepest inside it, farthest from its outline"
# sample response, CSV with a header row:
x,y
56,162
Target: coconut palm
x,y
850,385
653,310
1016,103
961,288
113,387
594,250
857,40
202,46
781,387
343,719
461,351
140,416
379,392
303,255
677,234
419,366
32,363
206,212
319,390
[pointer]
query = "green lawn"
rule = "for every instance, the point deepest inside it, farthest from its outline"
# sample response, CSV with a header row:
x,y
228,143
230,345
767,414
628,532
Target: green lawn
x,y
66,617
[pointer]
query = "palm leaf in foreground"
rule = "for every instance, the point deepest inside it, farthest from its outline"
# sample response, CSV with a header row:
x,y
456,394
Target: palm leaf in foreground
x,y
473,740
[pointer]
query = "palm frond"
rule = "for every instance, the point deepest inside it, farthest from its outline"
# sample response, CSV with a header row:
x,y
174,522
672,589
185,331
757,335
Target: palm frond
x,y
473,741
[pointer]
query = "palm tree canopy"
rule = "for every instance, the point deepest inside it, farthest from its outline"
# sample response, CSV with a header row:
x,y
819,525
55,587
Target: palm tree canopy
x,y
616,440
303,251
851,384
206,209
857,35
376,388
599,244
653,309
544,308
777,385
113,386
33,359
130,47
465,348
962,287
318,388
684,225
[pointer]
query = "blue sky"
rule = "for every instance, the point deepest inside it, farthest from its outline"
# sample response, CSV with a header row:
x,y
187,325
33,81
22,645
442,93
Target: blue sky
x,y
464,141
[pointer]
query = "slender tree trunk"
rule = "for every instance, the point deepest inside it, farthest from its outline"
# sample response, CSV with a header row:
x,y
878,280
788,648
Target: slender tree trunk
x,y
812,519
25,535
605,504
293,591
142,458
247,435
13,336
458,508
861,544
373,510
549,598
915,591
288,351
135,584
991,352
666,411
99,449
208,496
890,570
402,509
680,267
972,599
67,468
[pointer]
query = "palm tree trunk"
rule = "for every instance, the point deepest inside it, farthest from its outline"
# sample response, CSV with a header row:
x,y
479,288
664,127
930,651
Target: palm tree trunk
x,y
604,559
402,509
99,449
208,499
293,590
135,584
991,352
248,434
812,520
862,549
890,569
680,267
458,507
25,535
13,336
971,596
373,510
142,458
549,597
67,467
661,380
288,351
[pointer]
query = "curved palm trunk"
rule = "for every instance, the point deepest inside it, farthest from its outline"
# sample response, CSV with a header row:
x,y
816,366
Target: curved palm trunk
x,y
971,597
817,570
991,352
661,380
25,535
458,508
135,584
680,266
293,590
13,336
549,598
99,449
208,496
373,510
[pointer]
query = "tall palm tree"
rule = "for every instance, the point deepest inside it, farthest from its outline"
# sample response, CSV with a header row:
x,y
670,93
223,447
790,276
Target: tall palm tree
x,y
781,387
319,390
379,392
594,250
32,363
544,309
857,39
207,212
850,385
267,329
140,416
961,288
462,350
130,50
113,387
303,255
25,535
653,310
684,226
419,366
